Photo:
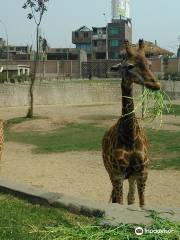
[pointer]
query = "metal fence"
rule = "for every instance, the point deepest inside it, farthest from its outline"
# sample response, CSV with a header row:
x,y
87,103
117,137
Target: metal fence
x,y
98,69
101,68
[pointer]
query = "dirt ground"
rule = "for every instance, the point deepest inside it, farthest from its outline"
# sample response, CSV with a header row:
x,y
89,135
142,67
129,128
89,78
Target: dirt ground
x,y
79,174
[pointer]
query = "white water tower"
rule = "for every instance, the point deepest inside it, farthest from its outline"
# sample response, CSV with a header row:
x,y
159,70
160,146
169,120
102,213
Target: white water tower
x,y
120,8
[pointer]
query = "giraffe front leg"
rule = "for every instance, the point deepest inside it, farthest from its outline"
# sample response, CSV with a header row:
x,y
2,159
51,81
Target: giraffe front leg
x,y
141,183
131,193
117,193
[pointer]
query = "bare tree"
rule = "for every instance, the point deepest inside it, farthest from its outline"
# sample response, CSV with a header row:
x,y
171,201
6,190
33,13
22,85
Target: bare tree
x,y
37,10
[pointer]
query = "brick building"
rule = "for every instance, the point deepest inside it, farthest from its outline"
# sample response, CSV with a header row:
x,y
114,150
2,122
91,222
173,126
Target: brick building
x,y
103,42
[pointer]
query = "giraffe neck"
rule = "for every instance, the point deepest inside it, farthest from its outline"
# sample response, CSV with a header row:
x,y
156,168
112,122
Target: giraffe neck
x,y
127,100
127,126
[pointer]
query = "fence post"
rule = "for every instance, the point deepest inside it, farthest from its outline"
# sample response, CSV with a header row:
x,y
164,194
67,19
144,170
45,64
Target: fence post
x,y
71,68
57,67
80,70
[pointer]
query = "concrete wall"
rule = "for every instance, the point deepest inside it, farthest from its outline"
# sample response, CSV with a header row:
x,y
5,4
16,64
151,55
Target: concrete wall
x,y
58,93
71,93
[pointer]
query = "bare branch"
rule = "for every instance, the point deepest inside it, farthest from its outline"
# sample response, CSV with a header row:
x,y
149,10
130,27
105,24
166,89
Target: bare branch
x,y
37,8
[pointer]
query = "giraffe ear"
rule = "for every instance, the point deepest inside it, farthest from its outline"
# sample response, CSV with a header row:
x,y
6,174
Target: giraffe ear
x,y
141,44
141,47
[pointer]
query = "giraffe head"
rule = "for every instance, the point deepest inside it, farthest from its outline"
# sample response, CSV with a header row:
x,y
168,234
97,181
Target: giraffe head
x,y
136,67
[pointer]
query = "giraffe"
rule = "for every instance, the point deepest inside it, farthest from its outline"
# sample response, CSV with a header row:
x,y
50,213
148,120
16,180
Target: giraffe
x,y
124,145
1,139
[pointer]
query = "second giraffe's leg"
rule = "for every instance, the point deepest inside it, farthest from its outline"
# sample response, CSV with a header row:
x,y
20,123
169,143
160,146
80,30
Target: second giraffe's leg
x,y
141,183
131,193
0,159
117,193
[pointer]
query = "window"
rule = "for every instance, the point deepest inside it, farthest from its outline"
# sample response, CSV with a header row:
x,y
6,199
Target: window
x,y
85,34
114,43
115,55
114,31
76,34
104,30
95,30
95,43
86,47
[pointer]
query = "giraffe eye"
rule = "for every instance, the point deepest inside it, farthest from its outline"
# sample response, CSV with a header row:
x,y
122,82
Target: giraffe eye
x,y
130,66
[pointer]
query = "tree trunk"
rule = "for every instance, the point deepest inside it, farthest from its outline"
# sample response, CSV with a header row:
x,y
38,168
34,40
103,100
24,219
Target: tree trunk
x,y
30,113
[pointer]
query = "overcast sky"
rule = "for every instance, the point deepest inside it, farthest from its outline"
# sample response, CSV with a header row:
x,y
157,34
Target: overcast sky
x,y
152,20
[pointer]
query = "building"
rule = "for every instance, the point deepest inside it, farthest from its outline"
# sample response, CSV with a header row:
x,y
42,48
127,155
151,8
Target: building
x,y
103,42
3,53
14,70
16,52
66,54
118,31
99,42
2,43
20,52
178,52
106,42
82,38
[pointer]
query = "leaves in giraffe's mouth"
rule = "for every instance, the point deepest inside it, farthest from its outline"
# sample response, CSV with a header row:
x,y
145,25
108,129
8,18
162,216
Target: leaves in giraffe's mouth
x,y
155,104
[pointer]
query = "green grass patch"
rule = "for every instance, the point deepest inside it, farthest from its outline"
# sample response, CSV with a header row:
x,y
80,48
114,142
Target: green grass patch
x,y
164,145
20,220
17,120
73,137
175,110
96,81
95,105
164,149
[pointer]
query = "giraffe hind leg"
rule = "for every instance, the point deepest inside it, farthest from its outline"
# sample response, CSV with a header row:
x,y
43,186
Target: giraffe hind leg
x,y
131,193
141,183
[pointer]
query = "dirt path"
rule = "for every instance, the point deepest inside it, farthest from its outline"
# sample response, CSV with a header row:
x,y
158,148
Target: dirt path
x,y
101,113
81,174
